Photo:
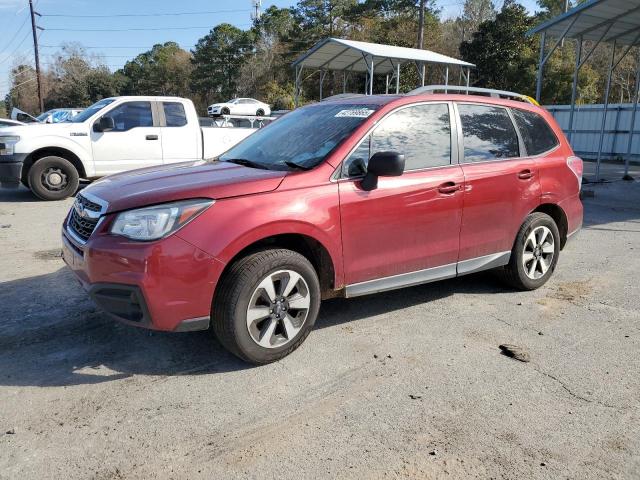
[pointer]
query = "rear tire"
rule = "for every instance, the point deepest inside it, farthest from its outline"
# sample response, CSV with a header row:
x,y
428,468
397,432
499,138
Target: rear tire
x,y
535,253
266,305
53,178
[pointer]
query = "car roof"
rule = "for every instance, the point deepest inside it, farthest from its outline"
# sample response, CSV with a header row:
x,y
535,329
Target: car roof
x,y
397,100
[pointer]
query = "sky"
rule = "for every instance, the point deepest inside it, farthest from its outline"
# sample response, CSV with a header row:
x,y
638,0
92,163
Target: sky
x,y
80,21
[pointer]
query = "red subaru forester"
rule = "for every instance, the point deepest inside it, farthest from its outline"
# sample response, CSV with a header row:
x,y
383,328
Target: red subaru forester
x,y
345,197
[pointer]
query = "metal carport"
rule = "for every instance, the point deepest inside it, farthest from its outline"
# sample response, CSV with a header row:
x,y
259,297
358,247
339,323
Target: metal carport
x,y
616,22
337,54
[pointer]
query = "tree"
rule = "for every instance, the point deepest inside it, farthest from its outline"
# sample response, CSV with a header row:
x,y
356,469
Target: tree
x,y
163,70
3,109
505,57
217,59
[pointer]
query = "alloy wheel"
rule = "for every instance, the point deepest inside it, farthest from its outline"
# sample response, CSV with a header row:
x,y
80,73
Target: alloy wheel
x,y
538,252
278,308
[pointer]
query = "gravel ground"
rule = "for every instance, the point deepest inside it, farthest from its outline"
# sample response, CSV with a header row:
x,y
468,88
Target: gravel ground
x,y
407,384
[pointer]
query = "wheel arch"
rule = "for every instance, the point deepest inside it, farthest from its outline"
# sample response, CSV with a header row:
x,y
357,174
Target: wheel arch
x,y
307,246
55,152
559,216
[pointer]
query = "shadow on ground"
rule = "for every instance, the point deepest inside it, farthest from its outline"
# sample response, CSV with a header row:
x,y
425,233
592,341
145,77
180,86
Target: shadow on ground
x,y
52,335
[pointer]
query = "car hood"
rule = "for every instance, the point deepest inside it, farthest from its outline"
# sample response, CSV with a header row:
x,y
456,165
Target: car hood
x,y
179,181
37,129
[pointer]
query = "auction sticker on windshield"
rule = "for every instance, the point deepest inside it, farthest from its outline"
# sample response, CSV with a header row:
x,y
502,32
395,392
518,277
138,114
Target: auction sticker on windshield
x,y
355,113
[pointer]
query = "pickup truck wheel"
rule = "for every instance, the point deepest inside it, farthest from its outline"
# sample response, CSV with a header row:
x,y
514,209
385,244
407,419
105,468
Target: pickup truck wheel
x,y
535,253
53,178
266,306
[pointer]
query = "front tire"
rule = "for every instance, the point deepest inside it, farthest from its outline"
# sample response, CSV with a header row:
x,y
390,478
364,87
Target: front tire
x,y
535,253
53,178
266,305
260,113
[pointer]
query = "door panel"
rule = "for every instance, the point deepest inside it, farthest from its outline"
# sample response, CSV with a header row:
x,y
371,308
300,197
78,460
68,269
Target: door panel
x,y
500,187
134,143
496,200
404,225
180,141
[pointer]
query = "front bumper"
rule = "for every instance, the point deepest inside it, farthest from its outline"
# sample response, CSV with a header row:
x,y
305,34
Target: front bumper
x,y
11,169
163,285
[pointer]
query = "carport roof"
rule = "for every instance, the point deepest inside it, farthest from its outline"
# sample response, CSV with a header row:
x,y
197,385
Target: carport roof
x,y
341,54
618,20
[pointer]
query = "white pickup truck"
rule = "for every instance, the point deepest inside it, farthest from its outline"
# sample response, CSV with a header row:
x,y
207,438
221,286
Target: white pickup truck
x,y
113,135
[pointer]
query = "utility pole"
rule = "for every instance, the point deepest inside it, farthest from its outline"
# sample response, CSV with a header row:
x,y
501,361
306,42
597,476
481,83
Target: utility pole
x,y
421,26
34,28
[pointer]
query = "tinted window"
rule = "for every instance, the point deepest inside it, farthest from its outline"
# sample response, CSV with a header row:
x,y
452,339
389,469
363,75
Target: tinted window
x,y
488,133
303,137
536,133
174,114
421,132
131,115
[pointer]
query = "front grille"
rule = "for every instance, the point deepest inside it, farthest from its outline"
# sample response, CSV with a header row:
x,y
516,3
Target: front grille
x,y
84,225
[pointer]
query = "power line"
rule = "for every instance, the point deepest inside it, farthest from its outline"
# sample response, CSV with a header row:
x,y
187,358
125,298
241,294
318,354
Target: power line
x,y
9,56
6,47
132,29
174,14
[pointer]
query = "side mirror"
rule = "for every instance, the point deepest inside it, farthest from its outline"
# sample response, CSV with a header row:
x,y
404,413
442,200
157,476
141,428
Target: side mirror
x,y
382,164
105,124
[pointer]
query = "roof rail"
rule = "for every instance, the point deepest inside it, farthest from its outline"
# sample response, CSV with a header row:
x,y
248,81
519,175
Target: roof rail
x,y
488,92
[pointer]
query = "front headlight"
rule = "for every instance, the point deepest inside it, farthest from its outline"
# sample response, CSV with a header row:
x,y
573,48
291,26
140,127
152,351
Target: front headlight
x,y
158,221
7,144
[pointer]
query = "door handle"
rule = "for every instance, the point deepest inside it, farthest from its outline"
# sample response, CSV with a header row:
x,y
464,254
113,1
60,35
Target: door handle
x,y
449,188
152,137
525,174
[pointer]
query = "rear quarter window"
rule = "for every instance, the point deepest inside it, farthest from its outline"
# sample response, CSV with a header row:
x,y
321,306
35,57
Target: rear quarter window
x,y
537,135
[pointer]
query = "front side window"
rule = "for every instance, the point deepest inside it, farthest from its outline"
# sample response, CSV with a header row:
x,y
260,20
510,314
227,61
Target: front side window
x,y
488,133
174,114
422,133
131,115
536,133
302,139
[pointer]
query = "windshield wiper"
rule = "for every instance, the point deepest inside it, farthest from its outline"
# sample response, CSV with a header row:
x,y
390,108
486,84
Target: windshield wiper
x,y
291,164
247,163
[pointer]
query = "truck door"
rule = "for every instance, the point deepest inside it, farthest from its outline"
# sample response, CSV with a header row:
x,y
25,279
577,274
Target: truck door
x,y
135,142
180,140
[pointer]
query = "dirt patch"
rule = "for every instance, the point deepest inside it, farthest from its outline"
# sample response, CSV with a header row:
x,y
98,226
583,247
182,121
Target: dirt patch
x,y
53,254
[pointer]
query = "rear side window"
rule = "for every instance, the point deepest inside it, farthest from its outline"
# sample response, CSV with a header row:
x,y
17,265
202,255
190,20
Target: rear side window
x,y
536,132
174,114
488,133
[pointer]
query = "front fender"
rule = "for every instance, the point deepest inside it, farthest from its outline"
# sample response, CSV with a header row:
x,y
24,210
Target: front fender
x,y
233,224
33,144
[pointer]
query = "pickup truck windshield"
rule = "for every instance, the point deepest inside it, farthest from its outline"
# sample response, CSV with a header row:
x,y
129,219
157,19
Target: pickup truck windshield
x,y
302,139
89,111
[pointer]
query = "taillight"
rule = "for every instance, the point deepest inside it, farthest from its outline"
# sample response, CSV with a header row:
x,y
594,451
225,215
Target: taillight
x,y
577,167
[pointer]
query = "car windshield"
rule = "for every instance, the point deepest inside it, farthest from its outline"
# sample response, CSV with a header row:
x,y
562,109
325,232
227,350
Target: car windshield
x,y
302,139
90,111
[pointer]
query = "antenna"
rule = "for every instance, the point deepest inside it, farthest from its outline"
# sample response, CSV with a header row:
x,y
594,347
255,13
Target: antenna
x,y
256,10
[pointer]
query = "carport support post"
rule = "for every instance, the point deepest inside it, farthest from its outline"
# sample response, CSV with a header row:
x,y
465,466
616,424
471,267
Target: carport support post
x,y
298,86
543,40
344,81
468,76
446,76
370,68
323,73
604,111
386,83
574,87
633,121
398,78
